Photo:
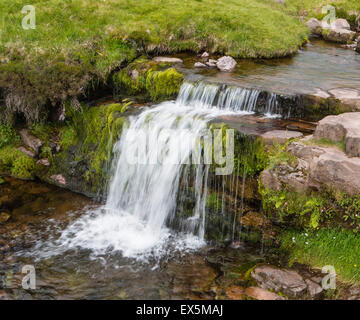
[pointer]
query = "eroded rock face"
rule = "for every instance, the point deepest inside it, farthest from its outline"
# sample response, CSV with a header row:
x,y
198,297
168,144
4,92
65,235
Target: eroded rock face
x,y
344,127
286,281
226,64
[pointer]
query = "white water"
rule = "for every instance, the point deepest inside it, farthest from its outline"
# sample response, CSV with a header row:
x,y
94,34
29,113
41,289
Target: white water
x,y
142,196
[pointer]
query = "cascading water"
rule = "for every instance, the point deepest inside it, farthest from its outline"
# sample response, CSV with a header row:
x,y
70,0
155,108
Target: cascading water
x,y
143,192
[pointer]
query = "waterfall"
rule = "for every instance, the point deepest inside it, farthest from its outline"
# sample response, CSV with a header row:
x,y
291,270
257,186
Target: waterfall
x,y
143,195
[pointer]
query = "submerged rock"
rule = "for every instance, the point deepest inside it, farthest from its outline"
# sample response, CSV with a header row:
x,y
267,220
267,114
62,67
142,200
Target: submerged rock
x,y
262,294
287,281
226,63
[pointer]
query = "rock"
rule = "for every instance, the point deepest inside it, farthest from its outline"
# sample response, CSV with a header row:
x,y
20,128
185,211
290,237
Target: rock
x,y
226,63
44,162
340,24
344,127
134,74
58,178
270,180
167,60
199,65
280,136
205,55
27,152
4,217
315,26
335,170
338,35
262,294
30,141
313,288
211,63
235,292
287,281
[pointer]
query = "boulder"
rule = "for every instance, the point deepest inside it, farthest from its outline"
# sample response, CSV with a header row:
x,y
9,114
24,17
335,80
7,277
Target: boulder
x,y
273,278
344,127
167,60
340,24
262,294
280,136
335,170
205,55
314,289
226,63
30,141
315,26
338,35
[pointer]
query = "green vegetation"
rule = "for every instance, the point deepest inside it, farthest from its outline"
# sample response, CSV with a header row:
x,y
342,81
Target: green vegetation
x,y
16,163
155,81
7,135
77,44
88,139
336,247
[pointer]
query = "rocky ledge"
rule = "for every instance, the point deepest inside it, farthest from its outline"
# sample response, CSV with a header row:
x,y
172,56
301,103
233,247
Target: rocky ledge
x,y
329,159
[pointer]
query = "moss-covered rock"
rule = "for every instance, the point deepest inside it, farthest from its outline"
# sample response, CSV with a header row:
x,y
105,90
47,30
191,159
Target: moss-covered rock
x,y
87,143
153,81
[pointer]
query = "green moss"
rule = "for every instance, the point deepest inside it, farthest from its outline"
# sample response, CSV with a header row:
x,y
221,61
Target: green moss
x,y
16,163
8,135
89,138
144,77
162,85
336,247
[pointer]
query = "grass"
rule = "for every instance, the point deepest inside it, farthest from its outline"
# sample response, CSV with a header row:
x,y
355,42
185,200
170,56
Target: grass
x,y
77,44
336,247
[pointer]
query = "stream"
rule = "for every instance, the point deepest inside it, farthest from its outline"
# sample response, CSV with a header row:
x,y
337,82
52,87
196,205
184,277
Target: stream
x,y
127,248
